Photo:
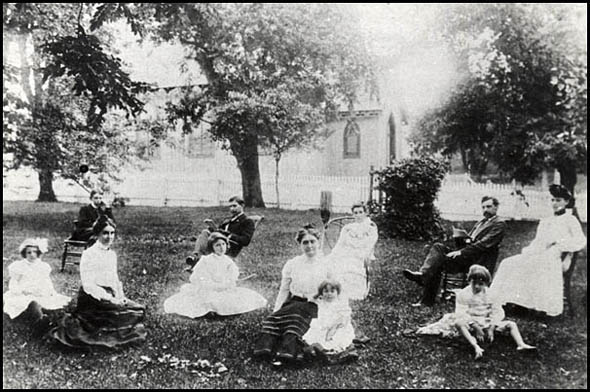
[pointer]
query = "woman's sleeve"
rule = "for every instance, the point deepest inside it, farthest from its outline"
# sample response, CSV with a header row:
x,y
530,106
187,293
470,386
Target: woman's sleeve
x,y
16,275
89,270
573,239
234,272
120,293
538,243
285,285
201,274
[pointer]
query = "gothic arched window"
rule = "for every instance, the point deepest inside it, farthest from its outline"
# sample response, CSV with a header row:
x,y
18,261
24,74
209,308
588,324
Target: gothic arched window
x,y
352,140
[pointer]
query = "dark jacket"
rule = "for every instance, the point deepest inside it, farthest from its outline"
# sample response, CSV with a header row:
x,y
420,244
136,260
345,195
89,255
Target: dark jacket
x,y
88,215
239,231
486,238
86,218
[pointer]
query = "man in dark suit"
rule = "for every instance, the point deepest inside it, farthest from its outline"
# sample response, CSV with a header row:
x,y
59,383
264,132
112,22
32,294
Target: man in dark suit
x,y
88,215
480,247
238,228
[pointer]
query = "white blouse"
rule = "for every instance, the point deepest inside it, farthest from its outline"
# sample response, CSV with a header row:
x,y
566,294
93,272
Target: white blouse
x,y
563,231
98,269
215,272
301,277
30,278
357,239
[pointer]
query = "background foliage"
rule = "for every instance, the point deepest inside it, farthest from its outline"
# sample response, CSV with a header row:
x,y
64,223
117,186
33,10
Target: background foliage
x,y
409,188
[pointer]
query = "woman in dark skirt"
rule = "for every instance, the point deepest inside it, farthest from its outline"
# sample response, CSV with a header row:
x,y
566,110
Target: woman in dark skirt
x,y
281,336
103,316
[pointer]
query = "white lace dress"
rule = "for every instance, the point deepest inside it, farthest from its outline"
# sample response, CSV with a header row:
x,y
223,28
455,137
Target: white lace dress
x,y
481,309
333,327
31,282
534,278
352,251
212,288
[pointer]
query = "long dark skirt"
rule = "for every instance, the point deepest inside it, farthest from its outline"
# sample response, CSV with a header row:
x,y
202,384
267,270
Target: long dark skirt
x,y
101,323
282,331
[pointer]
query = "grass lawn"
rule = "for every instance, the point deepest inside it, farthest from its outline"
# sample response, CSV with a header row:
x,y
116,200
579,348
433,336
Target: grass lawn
x,y
151,246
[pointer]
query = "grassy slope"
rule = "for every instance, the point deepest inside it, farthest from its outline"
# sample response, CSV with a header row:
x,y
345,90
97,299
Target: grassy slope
x,y
155,240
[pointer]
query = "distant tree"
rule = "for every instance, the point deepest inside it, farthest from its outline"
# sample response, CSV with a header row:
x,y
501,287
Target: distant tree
x,y
275,71
59,121
523,101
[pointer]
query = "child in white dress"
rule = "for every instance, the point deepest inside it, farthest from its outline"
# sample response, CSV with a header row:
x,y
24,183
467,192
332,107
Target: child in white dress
x,y
30,289
477,311
212,287
331,332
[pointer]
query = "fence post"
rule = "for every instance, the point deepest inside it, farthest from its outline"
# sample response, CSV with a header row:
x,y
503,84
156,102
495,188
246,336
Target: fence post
x,y
371,174
325,206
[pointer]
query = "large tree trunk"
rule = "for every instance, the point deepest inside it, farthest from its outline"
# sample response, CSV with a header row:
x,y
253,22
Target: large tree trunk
x,y
46,186
247,156
277,159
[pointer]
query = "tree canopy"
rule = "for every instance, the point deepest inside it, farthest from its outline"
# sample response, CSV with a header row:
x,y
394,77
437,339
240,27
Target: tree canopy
x,y
61,121
275,72
522,101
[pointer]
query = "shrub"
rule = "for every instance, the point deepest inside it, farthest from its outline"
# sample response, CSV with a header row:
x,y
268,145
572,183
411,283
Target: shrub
x,y
408,190
120,201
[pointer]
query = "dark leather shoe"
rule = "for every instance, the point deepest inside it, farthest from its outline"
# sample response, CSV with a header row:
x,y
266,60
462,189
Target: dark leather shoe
x,y
414,276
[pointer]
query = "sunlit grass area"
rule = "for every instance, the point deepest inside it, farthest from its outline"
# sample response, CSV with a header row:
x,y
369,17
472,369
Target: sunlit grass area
x,y
151,246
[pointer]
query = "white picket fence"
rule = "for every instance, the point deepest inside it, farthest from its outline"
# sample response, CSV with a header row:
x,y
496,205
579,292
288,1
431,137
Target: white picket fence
x,y
459,198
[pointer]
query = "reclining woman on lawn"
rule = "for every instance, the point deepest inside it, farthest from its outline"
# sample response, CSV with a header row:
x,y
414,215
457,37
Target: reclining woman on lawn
x,y
30,290
212,286
534,278
476,310
281,336
351,256
103,316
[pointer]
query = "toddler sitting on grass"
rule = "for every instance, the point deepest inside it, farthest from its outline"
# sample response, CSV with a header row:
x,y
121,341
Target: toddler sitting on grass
x,y
331,334
478,312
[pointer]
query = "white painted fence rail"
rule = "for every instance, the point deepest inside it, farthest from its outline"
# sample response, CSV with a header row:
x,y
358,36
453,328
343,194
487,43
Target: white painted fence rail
x,y
459,198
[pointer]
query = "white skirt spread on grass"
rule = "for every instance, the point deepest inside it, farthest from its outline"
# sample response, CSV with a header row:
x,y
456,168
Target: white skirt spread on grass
x,y
212,288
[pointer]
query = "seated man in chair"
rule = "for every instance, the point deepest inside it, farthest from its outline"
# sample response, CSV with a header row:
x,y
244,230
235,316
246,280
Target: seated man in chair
x,y
481,247
238,228
88,215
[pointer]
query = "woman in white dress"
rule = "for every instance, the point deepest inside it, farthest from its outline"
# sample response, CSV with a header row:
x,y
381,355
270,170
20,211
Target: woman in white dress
x,y
30,289
353,252
534,278
280,339
212,286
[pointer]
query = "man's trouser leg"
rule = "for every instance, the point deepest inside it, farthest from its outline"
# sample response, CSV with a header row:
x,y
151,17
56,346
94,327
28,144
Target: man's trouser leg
x,y
201,245
431,269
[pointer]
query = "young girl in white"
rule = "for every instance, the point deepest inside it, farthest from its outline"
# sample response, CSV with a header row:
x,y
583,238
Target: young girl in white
x,y
332,330
30,289
212,286
477,311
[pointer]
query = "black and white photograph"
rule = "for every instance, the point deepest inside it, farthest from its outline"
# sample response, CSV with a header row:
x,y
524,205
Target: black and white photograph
x,y
294,195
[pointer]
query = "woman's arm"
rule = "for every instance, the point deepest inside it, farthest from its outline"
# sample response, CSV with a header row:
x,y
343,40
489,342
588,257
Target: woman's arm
x,y
16,279
573,238
286,279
